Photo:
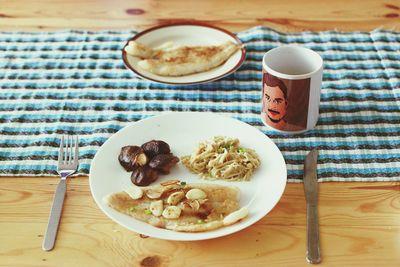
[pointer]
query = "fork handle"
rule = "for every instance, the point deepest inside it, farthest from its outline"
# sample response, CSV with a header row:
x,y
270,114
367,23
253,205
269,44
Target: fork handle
x,y
55,215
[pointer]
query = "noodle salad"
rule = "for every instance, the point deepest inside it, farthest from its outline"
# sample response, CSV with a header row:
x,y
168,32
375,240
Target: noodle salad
x,y
222,158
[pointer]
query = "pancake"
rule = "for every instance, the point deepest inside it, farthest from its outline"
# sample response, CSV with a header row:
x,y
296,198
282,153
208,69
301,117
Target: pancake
x,y
169,60
182,208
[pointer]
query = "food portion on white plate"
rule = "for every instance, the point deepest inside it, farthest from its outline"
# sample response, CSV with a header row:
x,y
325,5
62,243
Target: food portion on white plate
x,y
173,202
183,54
177,205
178,60
181,207
222,157
148,161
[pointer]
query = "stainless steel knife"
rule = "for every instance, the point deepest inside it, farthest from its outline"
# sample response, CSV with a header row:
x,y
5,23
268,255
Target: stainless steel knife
x,y
311,193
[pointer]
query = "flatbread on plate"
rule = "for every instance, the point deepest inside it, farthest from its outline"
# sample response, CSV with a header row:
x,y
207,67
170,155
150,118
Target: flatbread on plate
x,y
170,60
182,208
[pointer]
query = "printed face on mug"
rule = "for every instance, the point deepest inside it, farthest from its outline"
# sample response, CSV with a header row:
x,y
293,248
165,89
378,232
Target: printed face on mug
x,y
275,104
291,87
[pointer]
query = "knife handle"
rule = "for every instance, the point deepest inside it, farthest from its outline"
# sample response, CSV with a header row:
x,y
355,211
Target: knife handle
x,y
313,253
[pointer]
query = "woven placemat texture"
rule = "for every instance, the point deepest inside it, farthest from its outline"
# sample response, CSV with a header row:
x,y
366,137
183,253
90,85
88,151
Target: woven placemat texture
x,y
74,82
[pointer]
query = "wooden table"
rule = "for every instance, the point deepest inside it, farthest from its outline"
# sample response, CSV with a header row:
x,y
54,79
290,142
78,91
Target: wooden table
x,y
360,222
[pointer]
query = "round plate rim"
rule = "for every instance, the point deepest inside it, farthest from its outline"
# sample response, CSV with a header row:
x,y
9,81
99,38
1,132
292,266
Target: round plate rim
x,y
138,35
199,235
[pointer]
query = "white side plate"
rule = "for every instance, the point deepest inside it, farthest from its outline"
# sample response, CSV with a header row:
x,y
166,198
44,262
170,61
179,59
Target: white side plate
x,y
186,34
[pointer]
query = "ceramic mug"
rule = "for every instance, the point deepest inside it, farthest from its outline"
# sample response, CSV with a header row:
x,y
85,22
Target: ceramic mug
x,y
291,88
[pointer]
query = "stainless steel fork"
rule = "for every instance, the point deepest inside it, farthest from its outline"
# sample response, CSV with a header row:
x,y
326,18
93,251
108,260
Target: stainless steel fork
x,y
67,165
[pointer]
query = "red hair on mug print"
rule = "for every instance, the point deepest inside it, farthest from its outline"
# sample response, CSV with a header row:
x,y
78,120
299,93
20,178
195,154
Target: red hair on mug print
x,y
275,101
273,81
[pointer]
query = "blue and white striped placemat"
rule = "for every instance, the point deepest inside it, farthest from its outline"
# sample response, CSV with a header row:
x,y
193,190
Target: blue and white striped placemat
x,y
75,82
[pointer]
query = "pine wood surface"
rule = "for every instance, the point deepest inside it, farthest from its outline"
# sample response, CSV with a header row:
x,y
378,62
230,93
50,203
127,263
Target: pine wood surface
x,y
359,225
235,15
359,222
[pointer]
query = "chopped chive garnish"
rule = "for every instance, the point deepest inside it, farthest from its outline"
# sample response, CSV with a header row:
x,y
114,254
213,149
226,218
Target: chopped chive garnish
x,y
182,183
200,221
131,209
241,150
147,212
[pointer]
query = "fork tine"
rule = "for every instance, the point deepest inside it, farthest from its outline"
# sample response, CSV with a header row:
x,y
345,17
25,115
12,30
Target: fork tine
x,y
76,156
66,149
61,151
71,141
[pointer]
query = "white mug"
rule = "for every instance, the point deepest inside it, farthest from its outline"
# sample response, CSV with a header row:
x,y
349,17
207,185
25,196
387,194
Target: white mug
x,y
291,88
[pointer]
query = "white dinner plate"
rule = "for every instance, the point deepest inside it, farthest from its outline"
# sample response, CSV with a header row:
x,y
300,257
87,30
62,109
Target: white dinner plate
x,y
183,131
186,34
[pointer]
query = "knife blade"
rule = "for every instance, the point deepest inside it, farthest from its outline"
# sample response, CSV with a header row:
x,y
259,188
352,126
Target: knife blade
x,y
311,194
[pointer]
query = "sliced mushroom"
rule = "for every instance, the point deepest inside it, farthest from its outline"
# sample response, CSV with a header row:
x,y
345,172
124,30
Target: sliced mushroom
x,y
134,192
154,193
158,191
175,198
195,205
171,212
156,207
163,162
127,157
196,193
202,201
170,182
144,175
155,147
132,157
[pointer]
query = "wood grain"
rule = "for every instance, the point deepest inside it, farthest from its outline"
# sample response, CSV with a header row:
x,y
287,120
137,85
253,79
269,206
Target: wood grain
x,y
360,222
359,204
234,15
106,244
360,226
